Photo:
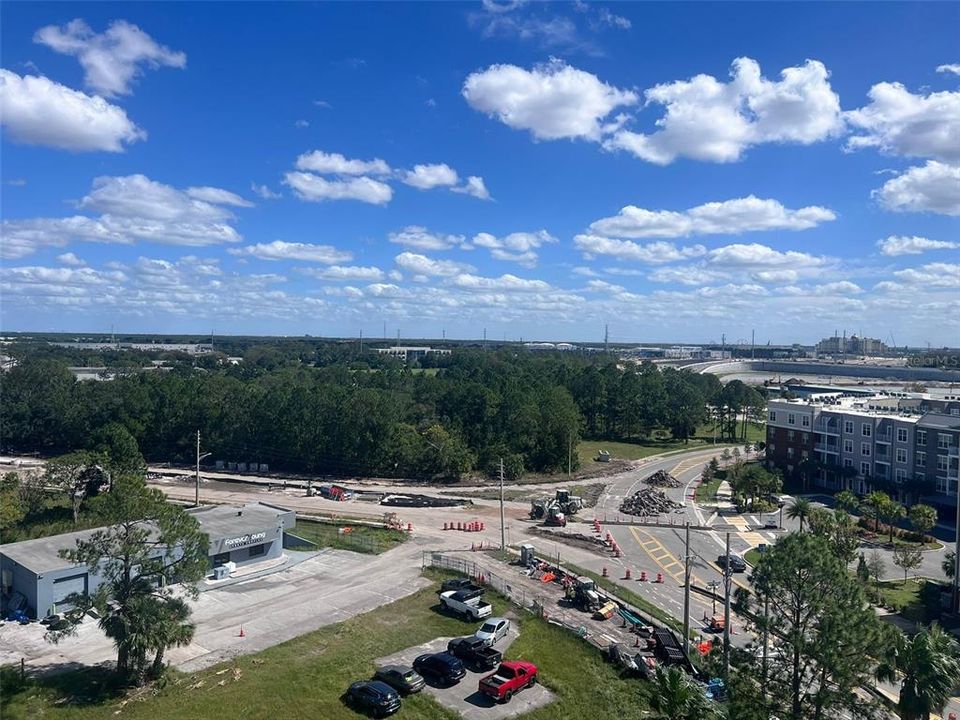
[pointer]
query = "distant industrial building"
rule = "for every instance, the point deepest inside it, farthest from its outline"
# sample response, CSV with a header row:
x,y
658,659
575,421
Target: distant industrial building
x,y
189,348
549,346
35,579
408,353
853,345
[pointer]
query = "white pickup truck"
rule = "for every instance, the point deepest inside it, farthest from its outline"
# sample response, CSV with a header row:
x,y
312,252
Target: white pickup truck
x,y
468,604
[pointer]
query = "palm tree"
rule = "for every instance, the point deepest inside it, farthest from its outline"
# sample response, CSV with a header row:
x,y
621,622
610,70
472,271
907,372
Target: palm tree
x,y
949,564
677,698
170,630
800,510
931,669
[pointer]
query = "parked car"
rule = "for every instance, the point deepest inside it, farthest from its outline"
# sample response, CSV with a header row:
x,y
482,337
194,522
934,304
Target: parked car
x,y
475,652
771,524
374,697
442,667
456,584
509,679
737,563
466,604
493,630
401,678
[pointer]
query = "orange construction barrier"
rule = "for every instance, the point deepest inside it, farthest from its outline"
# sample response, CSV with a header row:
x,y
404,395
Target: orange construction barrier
x,y
643,576
459,525
409,527
605,573
242,633
446,526
627,576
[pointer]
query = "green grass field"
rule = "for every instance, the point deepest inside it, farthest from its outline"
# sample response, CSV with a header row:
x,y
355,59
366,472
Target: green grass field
x,y
587,449
708,491
360,538
305,677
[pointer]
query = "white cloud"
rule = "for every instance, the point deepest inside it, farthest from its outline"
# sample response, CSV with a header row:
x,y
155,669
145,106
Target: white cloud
x,y
912,245
518,247
218,195
951,68
281,250
317,189
265,192
131,208
841,287
934,187
345,272
336,164
900,123
38,111
475,187
504,283
427,177
420,238
728,217
423,265
70,259
112,59
706,119
655,252
936,275
552,101
755,255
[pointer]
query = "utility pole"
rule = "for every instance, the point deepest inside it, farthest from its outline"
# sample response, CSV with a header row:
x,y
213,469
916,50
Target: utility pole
x,y
766,637
606,338
686,590
484,338
569,454
503,526
361,341
196,497
753,342
727,576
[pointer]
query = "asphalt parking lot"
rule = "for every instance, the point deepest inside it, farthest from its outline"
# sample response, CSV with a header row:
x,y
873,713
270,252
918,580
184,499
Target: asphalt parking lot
x,y
464,698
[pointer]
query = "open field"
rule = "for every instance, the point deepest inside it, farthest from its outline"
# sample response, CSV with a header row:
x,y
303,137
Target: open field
x,y
306,677
587,449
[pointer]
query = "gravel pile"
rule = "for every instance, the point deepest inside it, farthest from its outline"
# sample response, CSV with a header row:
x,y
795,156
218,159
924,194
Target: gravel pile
x,y
648,502
661,478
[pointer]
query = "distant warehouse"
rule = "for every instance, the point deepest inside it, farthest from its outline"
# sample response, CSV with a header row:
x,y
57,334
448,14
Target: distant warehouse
x,y
38,581
409,353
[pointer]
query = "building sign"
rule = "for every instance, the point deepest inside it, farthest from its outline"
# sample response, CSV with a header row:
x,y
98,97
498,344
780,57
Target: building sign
x,y
244,540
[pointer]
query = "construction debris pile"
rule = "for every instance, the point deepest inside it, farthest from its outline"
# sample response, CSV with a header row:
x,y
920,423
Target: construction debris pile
x,y
661,478
648,502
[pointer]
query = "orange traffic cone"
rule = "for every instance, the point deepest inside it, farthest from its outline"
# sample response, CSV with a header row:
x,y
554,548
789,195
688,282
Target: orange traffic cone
x,y
242,633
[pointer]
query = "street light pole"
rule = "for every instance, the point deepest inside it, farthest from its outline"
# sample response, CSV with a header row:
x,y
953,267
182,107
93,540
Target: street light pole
x,y
196,496
503,530
727,577
686,591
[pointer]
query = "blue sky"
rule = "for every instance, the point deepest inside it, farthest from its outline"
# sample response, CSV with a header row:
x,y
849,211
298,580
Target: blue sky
x,y
677,171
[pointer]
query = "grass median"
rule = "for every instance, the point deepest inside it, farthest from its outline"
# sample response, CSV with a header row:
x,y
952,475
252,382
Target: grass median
x,y
307,676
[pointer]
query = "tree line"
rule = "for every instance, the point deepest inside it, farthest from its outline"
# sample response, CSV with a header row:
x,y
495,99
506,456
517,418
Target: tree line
x,y
304,411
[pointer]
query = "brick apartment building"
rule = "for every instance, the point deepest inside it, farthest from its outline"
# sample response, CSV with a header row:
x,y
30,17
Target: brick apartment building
x,y
904,443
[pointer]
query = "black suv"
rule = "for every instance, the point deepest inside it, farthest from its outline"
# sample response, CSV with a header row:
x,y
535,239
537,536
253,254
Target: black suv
x,y
442,667
457,584
373,696
737,563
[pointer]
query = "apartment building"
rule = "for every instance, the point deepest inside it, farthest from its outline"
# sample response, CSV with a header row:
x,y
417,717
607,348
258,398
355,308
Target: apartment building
x,y
861,443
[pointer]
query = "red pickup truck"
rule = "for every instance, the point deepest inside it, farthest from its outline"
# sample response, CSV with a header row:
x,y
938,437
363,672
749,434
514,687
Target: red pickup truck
x,y
510,678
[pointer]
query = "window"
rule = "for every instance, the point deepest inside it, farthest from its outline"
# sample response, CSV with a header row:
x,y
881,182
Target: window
x,y
921,437
771,446
805,421
943,441
921,459
806,437
258,550
901,435
865,449
847,462
864,468
791,419
942,463
848,446
789,434
866,429
773,416
943,485
901,475
804,454
848,427
901,455
790,453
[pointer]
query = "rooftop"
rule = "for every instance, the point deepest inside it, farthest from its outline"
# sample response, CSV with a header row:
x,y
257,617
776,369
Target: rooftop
x,y
43,554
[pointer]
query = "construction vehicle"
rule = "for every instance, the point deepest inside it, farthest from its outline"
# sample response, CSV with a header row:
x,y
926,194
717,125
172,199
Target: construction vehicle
x,y
555,510
716,624
582,592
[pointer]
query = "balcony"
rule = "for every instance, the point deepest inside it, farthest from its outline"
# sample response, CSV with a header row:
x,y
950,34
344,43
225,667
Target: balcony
x,y
883,438
827,428
827,448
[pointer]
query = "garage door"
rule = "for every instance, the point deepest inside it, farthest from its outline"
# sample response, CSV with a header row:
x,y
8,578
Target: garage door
x,y
64,587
